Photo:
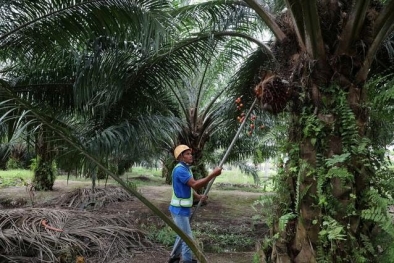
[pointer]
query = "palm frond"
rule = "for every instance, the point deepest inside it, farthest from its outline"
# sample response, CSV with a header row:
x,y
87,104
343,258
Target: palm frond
x,y
295,10
213,15
381,121
67,137
353,26
313,36
383,29
250,170
83,198
70,233
247,77
139,140
233,17
58,22
267,18
153,73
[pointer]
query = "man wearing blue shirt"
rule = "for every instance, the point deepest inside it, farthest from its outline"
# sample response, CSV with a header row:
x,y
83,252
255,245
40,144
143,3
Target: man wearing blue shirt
x,y
183,186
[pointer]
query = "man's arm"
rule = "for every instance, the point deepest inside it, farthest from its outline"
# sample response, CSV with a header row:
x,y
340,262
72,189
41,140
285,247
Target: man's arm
x,y
197,184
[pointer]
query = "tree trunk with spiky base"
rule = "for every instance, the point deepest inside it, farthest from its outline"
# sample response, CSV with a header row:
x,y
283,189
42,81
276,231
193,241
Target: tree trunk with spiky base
x,y
44,172
327,185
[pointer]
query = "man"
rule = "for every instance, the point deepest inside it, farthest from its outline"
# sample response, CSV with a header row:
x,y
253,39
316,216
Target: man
x,y
183,186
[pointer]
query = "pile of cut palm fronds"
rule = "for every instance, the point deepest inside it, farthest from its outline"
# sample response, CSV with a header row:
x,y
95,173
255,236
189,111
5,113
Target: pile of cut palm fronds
x,y
83,198
50,235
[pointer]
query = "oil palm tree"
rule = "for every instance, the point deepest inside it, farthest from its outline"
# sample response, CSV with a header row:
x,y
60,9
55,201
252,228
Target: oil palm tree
x,y
205,97
93,73
316,66
206,107
97,84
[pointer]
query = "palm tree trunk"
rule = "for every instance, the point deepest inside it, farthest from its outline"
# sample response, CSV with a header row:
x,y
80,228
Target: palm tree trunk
x,y
327,179
44,174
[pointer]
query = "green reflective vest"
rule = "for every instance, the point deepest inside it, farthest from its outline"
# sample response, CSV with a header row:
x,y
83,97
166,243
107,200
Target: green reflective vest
x,y
181,202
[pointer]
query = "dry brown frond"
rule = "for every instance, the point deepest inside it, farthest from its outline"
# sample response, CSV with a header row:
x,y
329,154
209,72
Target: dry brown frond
x,y
84,197
24,238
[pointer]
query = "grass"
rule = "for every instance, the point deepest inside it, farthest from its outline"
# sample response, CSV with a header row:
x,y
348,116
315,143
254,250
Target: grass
x,y
236,180
232,179
141,171
15,177
140,176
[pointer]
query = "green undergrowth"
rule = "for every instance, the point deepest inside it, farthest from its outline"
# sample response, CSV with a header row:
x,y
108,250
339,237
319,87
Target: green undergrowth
x,y
385,248
239,187
15,177
210,237
224,238
163,235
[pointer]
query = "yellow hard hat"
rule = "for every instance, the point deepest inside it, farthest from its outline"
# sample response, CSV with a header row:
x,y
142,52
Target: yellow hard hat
x,y
179,149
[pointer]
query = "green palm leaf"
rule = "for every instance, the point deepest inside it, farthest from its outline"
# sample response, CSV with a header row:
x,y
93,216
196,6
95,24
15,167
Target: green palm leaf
x,y
67,138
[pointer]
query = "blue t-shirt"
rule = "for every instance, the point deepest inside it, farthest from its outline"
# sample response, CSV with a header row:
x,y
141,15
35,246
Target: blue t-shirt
x,y
180,176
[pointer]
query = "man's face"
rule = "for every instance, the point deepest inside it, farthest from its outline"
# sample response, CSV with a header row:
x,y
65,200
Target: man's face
x,y
187,157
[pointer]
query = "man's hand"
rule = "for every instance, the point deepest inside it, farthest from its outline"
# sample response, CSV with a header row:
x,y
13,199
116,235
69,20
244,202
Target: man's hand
x,y
197,184
203,198
217,171
198,198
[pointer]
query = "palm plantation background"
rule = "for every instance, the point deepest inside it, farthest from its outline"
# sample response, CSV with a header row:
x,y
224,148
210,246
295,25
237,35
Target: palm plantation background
x,y
96,86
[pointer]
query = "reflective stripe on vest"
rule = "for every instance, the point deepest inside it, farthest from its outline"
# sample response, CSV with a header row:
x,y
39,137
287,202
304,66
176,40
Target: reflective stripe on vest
x,y
181,202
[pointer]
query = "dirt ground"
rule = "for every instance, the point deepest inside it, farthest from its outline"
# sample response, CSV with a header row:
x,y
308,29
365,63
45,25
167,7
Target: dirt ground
x,y
229,210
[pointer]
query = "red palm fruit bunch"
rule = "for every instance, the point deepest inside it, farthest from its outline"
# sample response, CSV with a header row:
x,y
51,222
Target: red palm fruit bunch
x,y
241,117
252,124
238,101
239,104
